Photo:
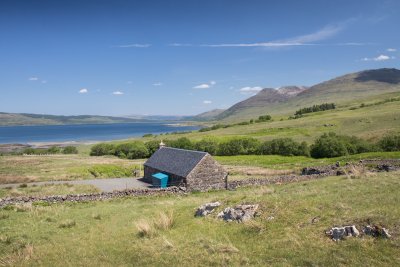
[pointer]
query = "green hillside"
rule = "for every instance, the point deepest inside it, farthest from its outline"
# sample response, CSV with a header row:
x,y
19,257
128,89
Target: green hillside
x,y
341,90
8,119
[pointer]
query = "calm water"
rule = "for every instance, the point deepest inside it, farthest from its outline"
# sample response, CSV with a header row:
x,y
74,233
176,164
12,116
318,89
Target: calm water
x,y
84,132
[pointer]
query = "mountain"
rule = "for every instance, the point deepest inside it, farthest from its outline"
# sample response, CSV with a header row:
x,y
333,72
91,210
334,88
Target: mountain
x,y
208,115
286,100
10,119
265,97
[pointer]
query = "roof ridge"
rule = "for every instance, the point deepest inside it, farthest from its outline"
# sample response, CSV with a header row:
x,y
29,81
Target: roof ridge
x,y
189,150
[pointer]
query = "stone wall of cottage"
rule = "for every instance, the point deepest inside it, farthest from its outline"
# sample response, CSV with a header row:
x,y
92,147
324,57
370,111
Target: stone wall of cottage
x,y
208,174
173,180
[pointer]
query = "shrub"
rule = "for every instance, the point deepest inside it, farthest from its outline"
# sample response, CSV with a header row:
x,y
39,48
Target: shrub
x,y
133,150
102,149
284,147
239,146
328,146
183,143
54,150
152,146
390,142
316,108
207,144
264,118
70,150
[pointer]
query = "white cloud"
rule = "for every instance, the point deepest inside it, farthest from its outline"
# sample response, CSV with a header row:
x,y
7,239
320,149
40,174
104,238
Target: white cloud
x,y
118,93
391,49
33,78
213,82
202,86
83,91
157,84
250,90
378,58
134,46
207,102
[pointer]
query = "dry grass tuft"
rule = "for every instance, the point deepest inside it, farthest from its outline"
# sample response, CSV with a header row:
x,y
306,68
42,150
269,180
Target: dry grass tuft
x,y
24,254
165,221
4,216
67,224
227,249
254,227
356,171
96,216
145,228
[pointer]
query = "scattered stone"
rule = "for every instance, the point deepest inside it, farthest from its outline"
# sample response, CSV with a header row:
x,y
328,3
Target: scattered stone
x,y
385,167
240,213
206,209
270,218
315,219
338,233
376,231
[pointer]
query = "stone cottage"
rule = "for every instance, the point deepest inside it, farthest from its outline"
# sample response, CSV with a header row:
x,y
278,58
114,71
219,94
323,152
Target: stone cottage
x,y
194,169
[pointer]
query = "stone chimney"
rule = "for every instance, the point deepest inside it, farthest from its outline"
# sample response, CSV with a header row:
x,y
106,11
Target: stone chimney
x,y
162,144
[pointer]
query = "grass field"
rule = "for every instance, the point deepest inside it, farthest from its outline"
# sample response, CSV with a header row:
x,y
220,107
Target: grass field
x,y
106,233
20,169
48,190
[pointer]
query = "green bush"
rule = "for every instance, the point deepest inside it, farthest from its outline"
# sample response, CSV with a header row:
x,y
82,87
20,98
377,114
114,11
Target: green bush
x,y
239,146
54,150
102,149
183,143
152,146
133,150
284,147
328,146
207,144
70,150
390,142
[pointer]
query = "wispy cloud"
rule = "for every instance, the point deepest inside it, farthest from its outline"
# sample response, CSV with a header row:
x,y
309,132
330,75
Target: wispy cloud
x,y
207,102
133,46
250,90
33,78
44,81
378,58
310,39
118,93
157,84
205,85
83,91
391,49
202,86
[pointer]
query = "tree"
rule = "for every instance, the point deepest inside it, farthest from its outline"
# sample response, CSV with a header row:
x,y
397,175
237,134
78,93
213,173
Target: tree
x,y
152,146
207,144
284,147
70,150
102,149
328,146
54,150
183,143
133,150
390,142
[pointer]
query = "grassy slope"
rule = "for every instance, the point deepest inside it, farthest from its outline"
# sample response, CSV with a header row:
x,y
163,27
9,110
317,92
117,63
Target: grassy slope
x,y
34,237
371,122
48,190
61,167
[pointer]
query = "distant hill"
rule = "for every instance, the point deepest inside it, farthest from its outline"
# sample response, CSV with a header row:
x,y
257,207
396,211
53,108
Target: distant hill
x,y
9,119
267,96
206,115
342,89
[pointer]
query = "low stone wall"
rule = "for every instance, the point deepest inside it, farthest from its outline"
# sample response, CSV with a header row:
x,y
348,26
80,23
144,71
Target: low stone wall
x,y
324,171
93,197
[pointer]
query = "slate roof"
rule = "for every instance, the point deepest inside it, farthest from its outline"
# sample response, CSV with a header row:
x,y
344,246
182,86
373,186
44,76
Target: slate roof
x,y
175,161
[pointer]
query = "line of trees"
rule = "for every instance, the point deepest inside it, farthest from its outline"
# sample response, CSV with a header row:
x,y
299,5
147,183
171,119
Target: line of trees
x,y
51,150
315,108
325,146
263,118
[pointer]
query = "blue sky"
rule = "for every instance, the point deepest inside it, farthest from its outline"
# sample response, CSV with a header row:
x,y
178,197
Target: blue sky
x,y
181,57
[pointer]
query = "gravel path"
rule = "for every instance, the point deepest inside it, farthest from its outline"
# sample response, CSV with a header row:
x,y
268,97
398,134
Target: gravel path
x,y
105,185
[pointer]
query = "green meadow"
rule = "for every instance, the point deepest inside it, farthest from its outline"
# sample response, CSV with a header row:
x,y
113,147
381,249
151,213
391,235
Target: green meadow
x,y
160,231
